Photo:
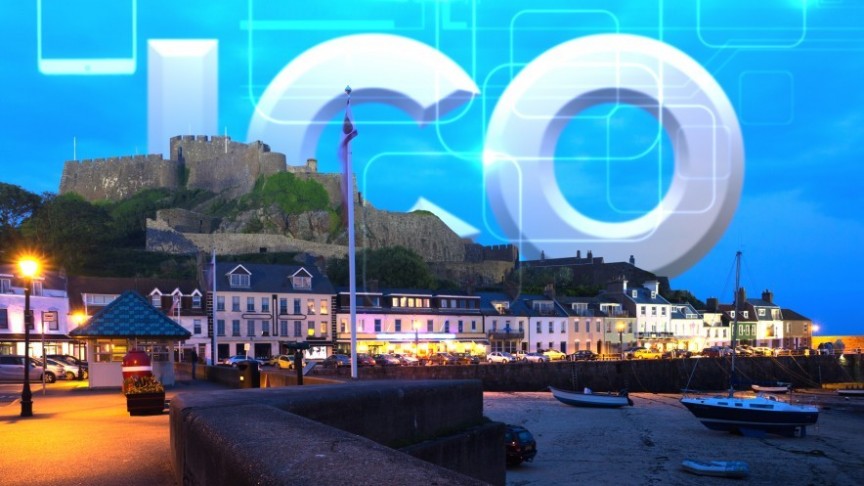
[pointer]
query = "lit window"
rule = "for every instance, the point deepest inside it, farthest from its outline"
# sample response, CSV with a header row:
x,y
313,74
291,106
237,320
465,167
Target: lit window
x,y
325,307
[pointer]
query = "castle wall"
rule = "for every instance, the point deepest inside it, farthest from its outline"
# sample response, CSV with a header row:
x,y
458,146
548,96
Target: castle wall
x,y
116,178
222,166
426,234
186,221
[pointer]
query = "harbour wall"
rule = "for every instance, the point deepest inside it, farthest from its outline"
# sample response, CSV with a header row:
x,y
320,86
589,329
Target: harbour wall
x,y
654,376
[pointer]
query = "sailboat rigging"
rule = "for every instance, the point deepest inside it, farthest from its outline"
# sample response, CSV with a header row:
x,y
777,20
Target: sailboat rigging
x,y
749,415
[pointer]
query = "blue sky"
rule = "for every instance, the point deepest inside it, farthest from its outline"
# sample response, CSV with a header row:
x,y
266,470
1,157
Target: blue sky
x,y
790,68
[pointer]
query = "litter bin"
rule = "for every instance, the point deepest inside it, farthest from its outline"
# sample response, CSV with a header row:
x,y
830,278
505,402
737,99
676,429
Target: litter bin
x,y
250,375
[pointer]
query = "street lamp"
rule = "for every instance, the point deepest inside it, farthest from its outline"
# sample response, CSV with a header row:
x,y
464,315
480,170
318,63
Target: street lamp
x,y
620,328
29,268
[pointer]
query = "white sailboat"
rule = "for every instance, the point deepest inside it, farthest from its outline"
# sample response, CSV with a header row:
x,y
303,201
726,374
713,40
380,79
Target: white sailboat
x,y
750,415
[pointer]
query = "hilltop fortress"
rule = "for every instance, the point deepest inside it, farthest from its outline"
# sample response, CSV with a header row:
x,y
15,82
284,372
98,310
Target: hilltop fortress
x,y
216,164
230,169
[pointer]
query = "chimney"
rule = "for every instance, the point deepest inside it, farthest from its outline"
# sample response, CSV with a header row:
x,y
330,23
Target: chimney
x,y
590,257
549,291
632,260
742,297
542,255
712,304
579,254
768,296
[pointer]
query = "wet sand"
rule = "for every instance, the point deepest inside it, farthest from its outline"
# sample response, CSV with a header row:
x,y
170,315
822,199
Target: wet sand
x,y
646,443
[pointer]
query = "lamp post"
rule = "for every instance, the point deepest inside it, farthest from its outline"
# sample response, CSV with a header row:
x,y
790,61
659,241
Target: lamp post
x,y
29,267
620,328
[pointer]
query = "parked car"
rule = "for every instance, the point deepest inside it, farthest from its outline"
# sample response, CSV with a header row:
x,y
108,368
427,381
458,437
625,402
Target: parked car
x,y
69,371
500,357
554,354
364,359
72,360
645,353
744,350
233,360
442,358
763,351
677,353
466,359
386,360
54,370
520,445
583,355
336,361
407,359
12,369
535,358
712,352
284,361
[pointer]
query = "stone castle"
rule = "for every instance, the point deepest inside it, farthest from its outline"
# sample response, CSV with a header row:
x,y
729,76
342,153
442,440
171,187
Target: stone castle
x,y
230,169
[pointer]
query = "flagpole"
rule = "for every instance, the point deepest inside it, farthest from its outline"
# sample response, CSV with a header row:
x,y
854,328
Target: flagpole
x,y
352,272
213,355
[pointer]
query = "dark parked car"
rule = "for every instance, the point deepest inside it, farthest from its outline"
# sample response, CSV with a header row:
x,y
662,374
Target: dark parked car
x,y
364,359
336,361
442,359
712,352
386,360
583,355
466,358
521,445
677,353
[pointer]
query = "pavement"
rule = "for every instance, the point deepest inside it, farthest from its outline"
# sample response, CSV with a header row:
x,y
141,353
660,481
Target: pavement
x,y
83,436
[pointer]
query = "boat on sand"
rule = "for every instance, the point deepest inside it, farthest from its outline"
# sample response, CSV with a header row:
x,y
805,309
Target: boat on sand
x,y
590,399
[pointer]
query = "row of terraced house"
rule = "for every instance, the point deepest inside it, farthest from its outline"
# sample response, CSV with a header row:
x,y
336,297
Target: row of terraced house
x,y
262,309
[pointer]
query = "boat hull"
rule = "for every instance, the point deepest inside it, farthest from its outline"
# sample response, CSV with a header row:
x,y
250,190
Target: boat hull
x,y
594,400
720,469
752,416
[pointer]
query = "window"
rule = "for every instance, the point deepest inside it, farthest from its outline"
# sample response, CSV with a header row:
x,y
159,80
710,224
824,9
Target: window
x,y
220,303
446,326
298,328
196,326
429,325
563,326
377,325
265,328
473,325
220,327
521,327
539,327
324,307
250,304
662,311
642,310
310,328
343,326
653,310
576,325
398,325
732,314
323,328
250,328
265,304
196,301
745,314
283,306
297,306
761,312
302,282
4,318
156,300
443,303
283,328
459,327
235,303
240,280
235,327
551,327
5,286
310,306
494,325
37,287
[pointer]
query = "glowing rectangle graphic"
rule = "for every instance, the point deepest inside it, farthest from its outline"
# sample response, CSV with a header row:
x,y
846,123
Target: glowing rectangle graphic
x,y
182,90
410,336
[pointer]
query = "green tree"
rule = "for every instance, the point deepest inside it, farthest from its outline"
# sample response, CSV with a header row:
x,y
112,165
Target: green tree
x,y
16,205
396,267
69,230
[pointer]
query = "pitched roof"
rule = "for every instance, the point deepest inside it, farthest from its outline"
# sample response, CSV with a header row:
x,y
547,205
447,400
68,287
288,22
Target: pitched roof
x,y
267,277
130,315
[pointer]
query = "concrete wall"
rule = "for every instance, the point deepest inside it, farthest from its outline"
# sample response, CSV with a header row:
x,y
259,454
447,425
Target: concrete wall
x,y
657,376
335,434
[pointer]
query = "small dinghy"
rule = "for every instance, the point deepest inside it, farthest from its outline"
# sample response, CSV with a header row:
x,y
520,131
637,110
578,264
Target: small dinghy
x,y
719,469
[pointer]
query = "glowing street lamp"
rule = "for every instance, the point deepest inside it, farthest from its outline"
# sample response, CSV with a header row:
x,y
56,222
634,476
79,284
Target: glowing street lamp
x,y
29,268
620,328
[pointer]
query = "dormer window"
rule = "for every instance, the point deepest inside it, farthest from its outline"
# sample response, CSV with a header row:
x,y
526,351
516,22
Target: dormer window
x,y
5,286
301,280
196,300
634,293
156,300
240,280
501,307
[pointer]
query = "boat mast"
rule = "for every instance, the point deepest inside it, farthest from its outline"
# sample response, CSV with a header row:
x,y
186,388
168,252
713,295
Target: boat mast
x,y
735,321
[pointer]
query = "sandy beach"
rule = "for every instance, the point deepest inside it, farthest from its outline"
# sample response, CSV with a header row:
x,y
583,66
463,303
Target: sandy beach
x,y
646,443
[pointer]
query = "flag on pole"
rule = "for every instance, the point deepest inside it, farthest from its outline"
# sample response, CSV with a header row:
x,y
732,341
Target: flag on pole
x,y
348,134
